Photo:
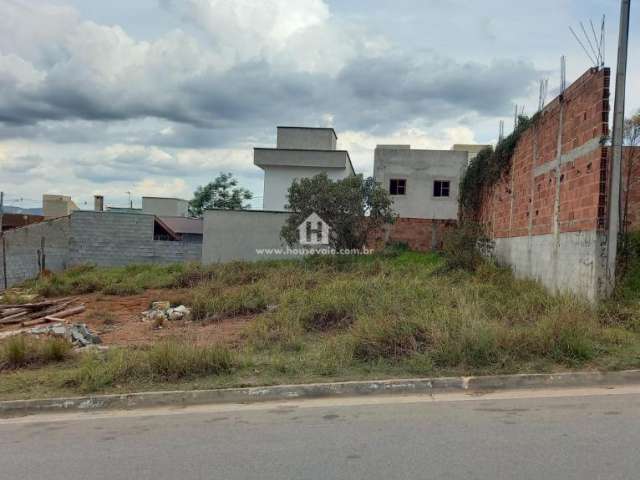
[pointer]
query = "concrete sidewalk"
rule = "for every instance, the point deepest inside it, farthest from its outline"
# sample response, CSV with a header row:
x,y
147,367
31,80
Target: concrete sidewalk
x,y
424,386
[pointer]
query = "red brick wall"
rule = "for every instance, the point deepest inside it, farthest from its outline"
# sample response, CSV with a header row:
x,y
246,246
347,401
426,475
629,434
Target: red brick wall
x,y
631,166
523,202
419,234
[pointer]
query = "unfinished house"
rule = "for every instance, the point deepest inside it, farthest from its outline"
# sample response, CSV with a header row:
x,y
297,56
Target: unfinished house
x,y
423,185
301,152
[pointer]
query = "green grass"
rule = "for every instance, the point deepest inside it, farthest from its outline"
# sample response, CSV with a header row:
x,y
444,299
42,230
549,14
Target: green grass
x,y
166,361
395,314
20,351
129,280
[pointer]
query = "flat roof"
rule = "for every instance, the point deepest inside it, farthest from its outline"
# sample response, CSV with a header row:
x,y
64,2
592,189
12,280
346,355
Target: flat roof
x,y
311,128
167,198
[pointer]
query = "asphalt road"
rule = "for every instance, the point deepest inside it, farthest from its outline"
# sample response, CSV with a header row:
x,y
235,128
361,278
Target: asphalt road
x,y
592,434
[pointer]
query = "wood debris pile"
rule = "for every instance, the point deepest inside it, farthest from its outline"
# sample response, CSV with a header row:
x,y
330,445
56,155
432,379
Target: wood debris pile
x,y
14,318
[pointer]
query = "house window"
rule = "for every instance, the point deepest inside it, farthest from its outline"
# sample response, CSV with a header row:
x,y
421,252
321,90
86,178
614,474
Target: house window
x,y
441,188
398,187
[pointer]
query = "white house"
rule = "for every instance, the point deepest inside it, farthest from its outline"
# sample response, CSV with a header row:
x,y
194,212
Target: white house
x,y
422,183
301,152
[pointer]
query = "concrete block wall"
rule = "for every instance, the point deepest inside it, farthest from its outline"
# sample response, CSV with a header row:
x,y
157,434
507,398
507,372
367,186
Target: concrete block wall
x,y
100,238
176,252
111,238
419,234
24,250
548,212
115,239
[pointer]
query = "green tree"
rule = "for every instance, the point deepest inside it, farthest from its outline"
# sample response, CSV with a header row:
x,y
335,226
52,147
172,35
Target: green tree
x,y
352,207
223,192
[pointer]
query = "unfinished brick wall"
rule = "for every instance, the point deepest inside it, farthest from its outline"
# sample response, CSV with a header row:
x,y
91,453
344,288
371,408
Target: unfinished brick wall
x,y
543,191
419,234
557,186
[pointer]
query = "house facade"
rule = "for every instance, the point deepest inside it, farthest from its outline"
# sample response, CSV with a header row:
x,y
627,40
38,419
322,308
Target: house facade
x,y
423,184
301,152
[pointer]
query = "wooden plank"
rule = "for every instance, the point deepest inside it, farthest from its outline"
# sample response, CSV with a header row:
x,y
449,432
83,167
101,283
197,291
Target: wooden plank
x,y
35,306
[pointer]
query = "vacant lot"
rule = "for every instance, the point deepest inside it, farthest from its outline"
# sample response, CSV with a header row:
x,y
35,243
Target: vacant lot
x,y
389,315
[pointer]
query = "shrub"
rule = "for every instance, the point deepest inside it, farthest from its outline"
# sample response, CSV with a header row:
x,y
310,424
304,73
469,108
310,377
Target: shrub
x,y
54,350
465,247
15,351
352,207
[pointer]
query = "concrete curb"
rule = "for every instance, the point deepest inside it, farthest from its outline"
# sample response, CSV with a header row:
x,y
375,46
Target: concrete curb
x,y
318,390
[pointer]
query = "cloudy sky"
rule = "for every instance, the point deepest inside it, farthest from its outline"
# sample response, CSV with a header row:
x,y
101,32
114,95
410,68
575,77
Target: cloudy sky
x,y
155,97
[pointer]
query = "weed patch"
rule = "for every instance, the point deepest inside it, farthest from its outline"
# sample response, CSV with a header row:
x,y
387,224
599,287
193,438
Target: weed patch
x,y
20,351
164,362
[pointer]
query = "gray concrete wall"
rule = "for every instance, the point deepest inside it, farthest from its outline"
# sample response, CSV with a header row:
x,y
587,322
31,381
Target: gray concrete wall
x,y
307,138
24,244
238,234
574,262
420,168
165,207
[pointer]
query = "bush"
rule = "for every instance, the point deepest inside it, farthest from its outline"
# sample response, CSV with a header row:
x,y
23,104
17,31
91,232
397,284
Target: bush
x,y
466,246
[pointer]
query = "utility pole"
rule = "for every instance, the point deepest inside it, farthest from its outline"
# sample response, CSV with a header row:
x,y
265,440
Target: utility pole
x,y
615,183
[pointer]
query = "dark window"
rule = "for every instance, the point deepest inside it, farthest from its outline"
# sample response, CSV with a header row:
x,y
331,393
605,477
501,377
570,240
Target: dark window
x,y
398,187
440,188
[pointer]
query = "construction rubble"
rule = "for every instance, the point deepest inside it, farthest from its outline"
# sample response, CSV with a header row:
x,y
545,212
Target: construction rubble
x,y
47,317
161,311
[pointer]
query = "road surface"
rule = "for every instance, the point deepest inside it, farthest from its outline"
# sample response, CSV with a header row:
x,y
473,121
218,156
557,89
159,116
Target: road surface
x,y
575,434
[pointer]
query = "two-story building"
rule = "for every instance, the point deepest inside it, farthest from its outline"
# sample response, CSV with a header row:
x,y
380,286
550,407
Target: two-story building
x,y
301,152
422,183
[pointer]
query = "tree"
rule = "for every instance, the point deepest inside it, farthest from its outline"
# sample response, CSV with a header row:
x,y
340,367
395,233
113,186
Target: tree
x,y
352,207
631,158
223,192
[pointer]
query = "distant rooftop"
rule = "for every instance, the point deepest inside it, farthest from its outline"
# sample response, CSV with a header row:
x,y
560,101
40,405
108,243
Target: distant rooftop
x,y
312,128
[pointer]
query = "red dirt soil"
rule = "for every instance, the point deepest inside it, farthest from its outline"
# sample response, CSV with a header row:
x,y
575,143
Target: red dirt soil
x,y
126,325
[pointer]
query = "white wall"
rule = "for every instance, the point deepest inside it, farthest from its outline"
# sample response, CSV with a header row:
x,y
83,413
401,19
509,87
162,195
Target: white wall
x,y
277,181
420,168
